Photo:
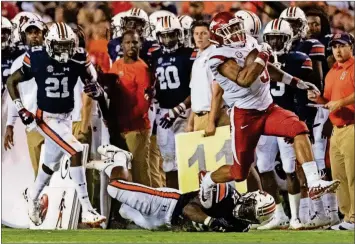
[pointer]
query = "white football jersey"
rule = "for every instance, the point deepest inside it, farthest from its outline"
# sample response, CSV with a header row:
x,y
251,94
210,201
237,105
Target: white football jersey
x,y
257,96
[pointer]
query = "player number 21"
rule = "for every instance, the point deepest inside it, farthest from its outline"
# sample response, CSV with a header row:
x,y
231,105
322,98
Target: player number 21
x,y
52,90
168,77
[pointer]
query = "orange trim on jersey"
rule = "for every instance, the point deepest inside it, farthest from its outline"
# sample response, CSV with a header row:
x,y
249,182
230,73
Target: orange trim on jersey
x,y
52,134
194,54
27,60
317,50
307,63
222,191
143,189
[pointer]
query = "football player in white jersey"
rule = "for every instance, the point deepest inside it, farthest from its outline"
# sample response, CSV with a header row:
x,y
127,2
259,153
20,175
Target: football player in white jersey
x,y
244,75
153,208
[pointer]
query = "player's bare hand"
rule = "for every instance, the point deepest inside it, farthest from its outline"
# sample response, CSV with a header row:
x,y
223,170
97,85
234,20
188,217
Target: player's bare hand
x,y
149,93
265,47
312,87
9,137
210,130
288,140
334,105
82,137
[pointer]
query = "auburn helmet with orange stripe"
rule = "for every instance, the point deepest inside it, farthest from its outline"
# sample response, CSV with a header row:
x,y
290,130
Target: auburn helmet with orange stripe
x,y
255,207
169,33
61,42
226,29
153,19
251,21
278,34
136,19
298,21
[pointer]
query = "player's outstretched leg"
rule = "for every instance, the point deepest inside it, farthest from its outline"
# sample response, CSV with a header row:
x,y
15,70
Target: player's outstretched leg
x,y
317,186
77,172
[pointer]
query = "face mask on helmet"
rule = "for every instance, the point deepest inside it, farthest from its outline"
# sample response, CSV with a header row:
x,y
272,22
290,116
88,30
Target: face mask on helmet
x,y
169,40
276,41
130,23
233,33
62,51
5,38
296,25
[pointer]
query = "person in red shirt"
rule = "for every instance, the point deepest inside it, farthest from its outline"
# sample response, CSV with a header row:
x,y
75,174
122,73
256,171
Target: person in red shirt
x,y
128,108
339,98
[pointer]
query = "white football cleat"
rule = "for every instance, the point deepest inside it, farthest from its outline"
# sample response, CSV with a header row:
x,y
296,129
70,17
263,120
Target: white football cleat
x,y
295,224
317,221
110,151
99,165
33,209
205,194
321,187
92,218
276,223
334,218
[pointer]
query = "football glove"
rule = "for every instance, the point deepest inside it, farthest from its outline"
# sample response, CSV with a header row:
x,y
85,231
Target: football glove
x,y
218,224
265,47
93,90
26,116
169,118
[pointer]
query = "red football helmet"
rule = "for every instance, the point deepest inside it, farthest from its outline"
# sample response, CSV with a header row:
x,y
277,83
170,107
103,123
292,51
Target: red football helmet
x,y
226,29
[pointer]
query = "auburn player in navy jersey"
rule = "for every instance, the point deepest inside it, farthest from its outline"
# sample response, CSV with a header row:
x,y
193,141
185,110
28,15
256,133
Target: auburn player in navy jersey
x,y
313,116
171,64
152,208
134,19
278,34
56,69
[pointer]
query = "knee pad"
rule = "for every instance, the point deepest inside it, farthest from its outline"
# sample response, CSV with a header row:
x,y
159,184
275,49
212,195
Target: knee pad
x,y
264,166
289,166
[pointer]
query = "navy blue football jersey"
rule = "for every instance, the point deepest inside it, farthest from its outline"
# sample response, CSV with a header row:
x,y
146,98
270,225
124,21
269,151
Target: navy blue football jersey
x,y
115,51
8,56
55,81
223,204
172,72
312,47
296,64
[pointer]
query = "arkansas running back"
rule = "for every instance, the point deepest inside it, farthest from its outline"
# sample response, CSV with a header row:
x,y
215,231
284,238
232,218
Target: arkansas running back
x,y
56,69
246,84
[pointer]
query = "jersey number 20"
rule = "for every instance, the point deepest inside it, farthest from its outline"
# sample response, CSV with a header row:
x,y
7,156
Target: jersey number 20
x,y
168,77
52,90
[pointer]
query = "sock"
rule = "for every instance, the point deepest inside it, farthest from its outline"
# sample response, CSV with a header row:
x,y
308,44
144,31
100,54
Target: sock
x,y
330,203
78,176
311,171
279,211
294,205
318,206
105,199
304,210
40,182
311,207
108,169
207,180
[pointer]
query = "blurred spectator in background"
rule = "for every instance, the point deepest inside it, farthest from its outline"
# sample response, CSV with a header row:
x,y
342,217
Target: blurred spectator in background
x,y
9,10
197,11
129,108
102,13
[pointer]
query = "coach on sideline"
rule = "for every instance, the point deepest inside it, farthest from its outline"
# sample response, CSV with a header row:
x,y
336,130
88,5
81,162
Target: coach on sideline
x,y
206,95
129,124
339,98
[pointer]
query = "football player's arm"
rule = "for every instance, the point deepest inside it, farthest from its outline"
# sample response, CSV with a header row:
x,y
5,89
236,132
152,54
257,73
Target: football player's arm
x,y
12,83
244,77
190,123
217,93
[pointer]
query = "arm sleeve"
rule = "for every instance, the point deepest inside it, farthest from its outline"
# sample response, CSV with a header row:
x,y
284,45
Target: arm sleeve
x,y
143,82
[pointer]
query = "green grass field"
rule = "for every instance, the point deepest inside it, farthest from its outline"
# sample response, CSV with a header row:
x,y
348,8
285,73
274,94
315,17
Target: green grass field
x,y
142,236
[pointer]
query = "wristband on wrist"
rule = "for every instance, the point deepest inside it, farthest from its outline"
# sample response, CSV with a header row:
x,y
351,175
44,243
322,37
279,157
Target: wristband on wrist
x,y
290,80
18,104
262,58
207,221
